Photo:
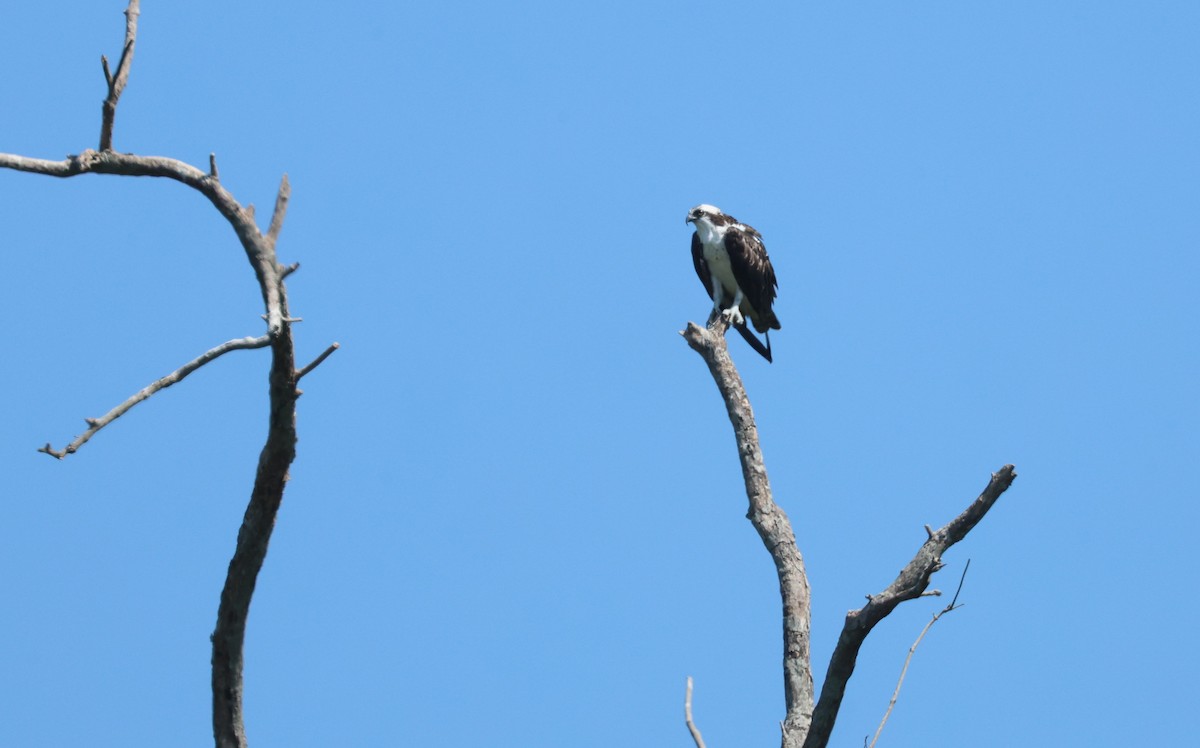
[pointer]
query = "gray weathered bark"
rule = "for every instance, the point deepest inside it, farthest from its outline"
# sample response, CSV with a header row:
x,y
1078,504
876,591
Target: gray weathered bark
x,y
278,452
806,725
773,527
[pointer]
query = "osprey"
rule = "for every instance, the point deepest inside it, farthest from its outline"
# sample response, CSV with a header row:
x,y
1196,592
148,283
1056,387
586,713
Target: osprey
x,y
734,267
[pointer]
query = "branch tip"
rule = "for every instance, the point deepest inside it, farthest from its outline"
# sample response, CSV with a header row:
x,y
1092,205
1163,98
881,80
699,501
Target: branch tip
x,y
277,216
317,361
687,715
212,167
961,579
912,650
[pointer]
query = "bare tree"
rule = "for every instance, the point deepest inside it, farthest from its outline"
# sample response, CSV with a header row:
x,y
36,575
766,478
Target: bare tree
x,y
809,722
280,448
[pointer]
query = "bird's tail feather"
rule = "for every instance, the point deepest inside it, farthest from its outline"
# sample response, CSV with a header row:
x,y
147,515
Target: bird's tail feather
x,y
755,343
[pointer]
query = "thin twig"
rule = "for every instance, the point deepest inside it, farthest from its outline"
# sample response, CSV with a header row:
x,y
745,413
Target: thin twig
x,y
212,167
687,715
95,424
912,650
116,82
317,361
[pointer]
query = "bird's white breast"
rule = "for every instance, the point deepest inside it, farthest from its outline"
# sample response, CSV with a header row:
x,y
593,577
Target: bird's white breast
x,y
712,240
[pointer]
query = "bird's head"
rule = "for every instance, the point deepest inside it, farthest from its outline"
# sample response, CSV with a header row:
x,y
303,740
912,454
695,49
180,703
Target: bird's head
x,y
703,211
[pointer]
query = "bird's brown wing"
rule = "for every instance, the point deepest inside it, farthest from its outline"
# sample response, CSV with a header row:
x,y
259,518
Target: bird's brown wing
x,y
752,268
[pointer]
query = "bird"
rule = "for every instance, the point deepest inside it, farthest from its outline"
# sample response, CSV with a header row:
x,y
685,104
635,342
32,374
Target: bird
x,y
732,263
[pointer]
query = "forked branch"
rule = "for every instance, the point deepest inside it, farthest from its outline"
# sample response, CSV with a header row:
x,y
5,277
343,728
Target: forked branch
x,y
910,584
116,83
805,724
953,606
228,638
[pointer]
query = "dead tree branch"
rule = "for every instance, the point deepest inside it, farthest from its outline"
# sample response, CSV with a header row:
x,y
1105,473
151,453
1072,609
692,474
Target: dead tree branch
x,y
910,584
228,637
772,525
258,248
280,212
913,649
95,424
116,83
687,716
806,725
317,361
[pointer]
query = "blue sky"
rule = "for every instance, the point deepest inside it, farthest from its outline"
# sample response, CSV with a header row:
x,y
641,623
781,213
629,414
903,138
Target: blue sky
x,y
516,514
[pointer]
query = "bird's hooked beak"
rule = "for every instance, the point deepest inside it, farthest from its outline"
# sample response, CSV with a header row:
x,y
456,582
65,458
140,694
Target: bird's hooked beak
x,y
689,219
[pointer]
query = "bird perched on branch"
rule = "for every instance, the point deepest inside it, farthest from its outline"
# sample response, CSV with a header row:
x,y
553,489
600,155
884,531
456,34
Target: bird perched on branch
x,y
733,265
